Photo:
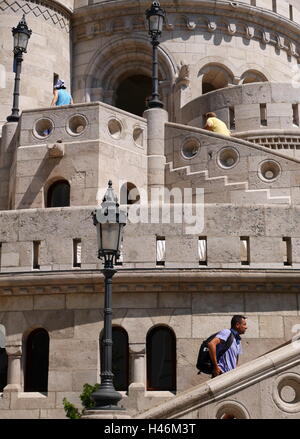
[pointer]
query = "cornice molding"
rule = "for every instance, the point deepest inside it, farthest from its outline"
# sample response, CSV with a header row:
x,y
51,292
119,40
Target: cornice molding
x,y
152,281
245,21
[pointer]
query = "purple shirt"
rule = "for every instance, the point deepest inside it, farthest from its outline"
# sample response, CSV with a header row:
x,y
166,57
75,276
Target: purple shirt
x,y
228,360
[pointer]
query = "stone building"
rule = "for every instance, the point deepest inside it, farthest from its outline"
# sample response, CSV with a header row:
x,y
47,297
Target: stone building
x,y
177,282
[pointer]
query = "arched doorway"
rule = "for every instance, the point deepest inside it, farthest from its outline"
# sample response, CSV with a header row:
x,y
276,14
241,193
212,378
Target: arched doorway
x,y
161,359
132,93
37,361
58,194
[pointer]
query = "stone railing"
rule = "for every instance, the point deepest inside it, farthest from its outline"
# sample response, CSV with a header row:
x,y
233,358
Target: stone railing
x,y
256,106
83,122
272,380
286,142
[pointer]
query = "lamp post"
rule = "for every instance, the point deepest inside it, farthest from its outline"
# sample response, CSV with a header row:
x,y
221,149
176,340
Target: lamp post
x,y
21,35
156,17
109,221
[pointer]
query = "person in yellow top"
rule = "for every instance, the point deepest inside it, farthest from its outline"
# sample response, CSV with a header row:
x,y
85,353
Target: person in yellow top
x,y
216,125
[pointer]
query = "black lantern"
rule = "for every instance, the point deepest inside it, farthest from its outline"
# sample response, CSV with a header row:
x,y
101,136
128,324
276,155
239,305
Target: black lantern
x,y
156,17
109,221
21,35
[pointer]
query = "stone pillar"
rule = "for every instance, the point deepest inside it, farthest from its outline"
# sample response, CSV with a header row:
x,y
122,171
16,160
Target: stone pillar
x,y
138,368
156,118
8,132
14,353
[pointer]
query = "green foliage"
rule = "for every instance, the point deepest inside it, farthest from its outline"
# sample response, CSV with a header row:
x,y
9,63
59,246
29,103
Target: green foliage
x,y
85,396
71,411
88,403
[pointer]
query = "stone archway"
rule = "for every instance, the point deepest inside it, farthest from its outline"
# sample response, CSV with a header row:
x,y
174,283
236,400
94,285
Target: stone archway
x,y
132,93
112,67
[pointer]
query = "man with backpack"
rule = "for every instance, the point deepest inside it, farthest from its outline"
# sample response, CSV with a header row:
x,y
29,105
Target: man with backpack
x,y
229,338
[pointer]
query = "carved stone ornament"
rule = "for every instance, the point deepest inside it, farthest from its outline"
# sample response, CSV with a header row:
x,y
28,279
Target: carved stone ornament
x,y
184,74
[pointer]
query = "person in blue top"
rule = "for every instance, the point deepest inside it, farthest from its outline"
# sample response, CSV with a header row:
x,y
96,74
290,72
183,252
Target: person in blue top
x,y
229,360
60,94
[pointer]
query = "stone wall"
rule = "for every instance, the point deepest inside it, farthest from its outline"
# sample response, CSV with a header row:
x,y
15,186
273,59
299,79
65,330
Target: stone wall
x,y
56,228
48,52
81,144
232,42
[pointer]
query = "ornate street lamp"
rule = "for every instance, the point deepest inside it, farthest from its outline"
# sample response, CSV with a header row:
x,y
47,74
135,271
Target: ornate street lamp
x,y
109,221
156,17
21,35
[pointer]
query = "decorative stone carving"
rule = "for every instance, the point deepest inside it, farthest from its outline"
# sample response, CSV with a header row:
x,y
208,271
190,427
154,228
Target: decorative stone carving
x,y
266,38
212,26
49,13
231,28
56,150
291,49
184,74
279,41
250,31
190,23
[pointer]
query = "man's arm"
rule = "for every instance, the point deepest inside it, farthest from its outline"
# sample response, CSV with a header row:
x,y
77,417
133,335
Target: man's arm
x,y
212,347
209,125
55,97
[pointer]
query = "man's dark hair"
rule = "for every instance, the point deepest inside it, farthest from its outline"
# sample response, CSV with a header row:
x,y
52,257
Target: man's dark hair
x,y
237,319
210,114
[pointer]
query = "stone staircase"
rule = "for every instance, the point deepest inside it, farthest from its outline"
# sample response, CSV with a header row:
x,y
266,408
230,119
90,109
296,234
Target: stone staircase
x,y
257,389
239,192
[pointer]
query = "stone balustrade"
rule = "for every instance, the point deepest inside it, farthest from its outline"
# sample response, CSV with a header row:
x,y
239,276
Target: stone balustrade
x,y
256,106
83,122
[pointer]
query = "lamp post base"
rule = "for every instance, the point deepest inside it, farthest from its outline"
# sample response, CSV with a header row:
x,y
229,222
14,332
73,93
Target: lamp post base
x,y
13,118
106,398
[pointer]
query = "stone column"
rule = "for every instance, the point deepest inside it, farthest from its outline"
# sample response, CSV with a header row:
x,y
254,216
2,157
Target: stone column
x,y
8,132
138,368
156,118
14,353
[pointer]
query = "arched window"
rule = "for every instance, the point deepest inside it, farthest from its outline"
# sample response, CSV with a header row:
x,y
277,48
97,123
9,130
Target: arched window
x,y
120,358
37,361
129,194
251,76
214,77
161,359
58,194
132,93
3,359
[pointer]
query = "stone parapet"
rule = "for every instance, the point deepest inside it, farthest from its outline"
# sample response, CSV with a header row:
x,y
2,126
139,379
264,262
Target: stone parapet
x,y
239,107
265,226
263,379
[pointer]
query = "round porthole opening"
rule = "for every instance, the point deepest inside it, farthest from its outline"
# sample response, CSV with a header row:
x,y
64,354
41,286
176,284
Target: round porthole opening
x,y
115,128
138,136
269,170
190,148
228,158
77,124
43,128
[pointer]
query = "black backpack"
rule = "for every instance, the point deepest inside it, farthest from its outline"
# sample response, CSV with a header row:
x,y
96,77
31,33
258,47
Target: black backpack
x,y
204,363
